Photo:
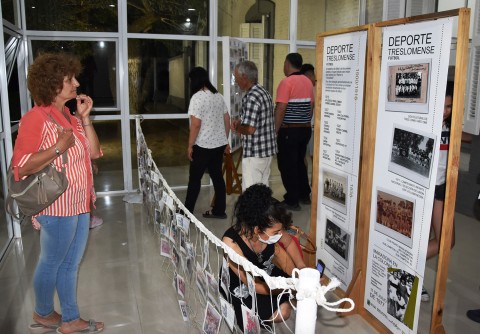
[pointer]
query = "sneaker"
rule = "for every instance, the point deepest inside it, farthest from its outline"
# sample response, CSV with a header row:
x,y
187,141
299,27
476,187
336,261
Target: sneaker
x,y
95,221
474,315
291,207
425,295
306,200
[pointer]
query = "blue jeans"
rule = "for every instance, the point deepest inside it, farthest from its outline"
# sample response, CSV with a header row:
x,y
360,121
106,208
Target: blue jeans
x,y
62,244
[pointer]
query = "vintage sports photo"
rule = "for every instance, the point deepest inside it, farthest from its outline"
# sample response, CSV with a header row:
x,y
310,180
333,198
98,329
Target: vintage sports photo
x,y
395,216
337,242
400,285
408,87
211,323
412,154
335,185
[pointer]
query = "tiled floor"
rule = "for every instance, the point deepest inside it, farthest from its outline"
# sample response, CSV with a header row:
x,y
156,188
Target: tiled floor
x,y
124,282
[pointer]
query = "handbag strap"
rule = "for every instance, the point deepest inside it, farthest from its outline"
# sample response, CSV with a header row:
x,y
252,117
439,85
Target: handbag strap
x,y
64,154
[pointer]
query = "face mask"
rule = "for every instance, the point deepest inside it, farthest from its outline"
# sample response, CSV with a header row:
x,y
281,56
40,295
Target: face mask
x,y
271,239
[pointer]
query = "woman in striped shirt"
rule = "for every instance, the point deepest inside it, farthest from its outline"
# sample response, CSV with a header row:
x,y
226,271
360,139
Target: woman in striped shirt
x,y
64,224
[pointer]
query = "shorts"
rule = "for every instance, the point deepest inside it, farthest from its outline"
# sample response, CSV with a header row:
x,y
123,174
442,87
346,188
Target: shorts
x,y
440,192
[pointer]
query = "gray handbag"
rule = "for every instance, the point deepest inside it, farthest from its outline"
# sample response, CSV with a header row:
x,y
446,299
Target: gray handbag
x,y
37,191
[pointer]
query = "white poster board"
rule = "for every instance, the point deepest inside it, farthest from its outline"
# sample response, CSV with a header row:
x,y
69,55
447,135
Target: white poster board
x,y
234,51
339,151
413,78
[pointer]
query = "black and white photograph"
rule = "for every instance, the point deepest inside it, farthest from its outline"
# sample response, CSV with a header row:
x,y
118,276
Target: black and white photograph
x,y
395,216
399,286
412,154
211,322
408,87
337,242
183,240
335,185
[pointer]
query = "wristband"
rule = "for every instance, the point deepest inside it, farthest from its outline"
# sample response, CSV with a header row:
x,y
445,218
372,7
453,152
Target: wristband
x,y
84,125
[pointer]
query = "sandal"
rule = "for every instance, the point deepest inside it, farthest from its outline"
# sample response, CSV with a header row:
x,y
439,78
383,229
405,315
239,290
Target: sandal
x,y
209,214
92,327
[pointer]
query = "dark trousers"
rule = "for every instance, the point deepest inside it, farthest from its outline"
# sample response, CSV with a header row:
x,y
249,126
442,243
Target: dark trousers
x,y
292,146
203,159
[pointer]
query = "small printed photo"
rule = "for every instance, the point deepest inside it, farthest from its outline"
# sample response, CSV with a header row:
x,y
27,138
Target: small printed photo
x,y
212,285
183,309
211,323
228,313
337,242
335,187
189,267
190,249
251,324
408,87
165,248
201,281
400,284
183,222
181,286
175,257
412,154
395,216
158,217
173,233
164,230
206,253
183,239
225,276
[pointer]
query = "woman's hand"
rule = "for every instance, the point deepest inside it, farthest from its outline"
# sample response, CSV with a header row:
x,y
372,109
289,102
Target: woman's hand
x,y
65,140
84,107
227,149
190,153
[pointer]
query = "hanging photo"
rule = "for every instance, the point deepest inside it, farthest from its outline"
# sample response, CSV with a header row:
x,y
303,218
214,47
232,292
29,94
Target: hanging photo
x,y
183,309
250,321
228,313
212,320
165,248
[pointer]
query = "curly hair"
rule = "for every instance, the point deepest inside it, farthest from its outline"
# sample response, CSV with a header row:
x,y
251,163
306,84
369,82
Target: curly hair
x,y
46,74
257,208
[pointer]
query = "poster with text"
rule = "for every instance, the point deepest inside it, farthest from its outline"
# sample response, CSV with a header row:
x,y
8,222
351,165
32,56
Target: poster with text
x,y
234,51
413,79
339,151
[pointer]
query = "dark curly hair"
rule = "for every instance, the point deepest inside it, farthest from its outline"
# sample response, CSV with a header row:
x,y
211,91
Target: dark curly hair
x,y
46,74
257,208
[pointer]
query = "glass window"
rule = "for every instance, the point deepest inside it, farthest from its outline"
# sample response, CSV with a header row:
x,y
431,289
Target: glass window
x,y
168,140
168,17
256,19
311,19
71,15
341,14
9,11
110,166
158,74
98,78
5,224
374,11
14,96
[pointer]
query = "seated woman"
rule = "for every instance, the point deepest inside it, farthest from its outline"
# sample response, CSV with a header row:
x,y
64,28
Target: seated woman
x,y
258,224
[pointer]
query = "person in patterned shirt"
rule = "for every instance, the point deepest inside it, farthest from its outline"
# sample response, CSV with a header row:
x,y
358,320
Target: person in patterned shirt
x,y
256,126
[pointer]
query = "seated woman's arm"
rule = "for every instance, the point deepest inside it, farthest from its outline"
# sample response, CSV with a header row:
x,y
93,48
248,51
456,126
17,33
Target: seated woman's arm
x,y
292,249
260,287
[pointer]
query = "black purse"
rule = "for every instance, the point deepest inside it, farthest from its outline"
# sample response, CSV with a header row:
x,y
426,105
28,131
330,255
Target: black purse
x,y
37,191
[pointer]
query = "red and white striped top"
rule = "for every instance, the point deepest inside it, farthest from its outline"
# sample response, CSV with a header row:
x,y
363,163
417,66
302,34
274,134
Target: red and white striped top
x,y
37,132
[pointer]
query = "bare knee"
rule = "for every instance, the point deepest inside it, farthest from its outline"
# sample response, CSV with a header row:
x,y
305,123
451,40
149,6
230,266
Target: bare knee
x,y
283,312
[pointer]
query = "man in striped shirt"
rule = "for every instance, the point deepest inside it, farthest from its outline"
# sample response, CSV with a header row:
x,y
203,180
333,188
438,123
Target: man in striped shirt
x,y
293,113
256,125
